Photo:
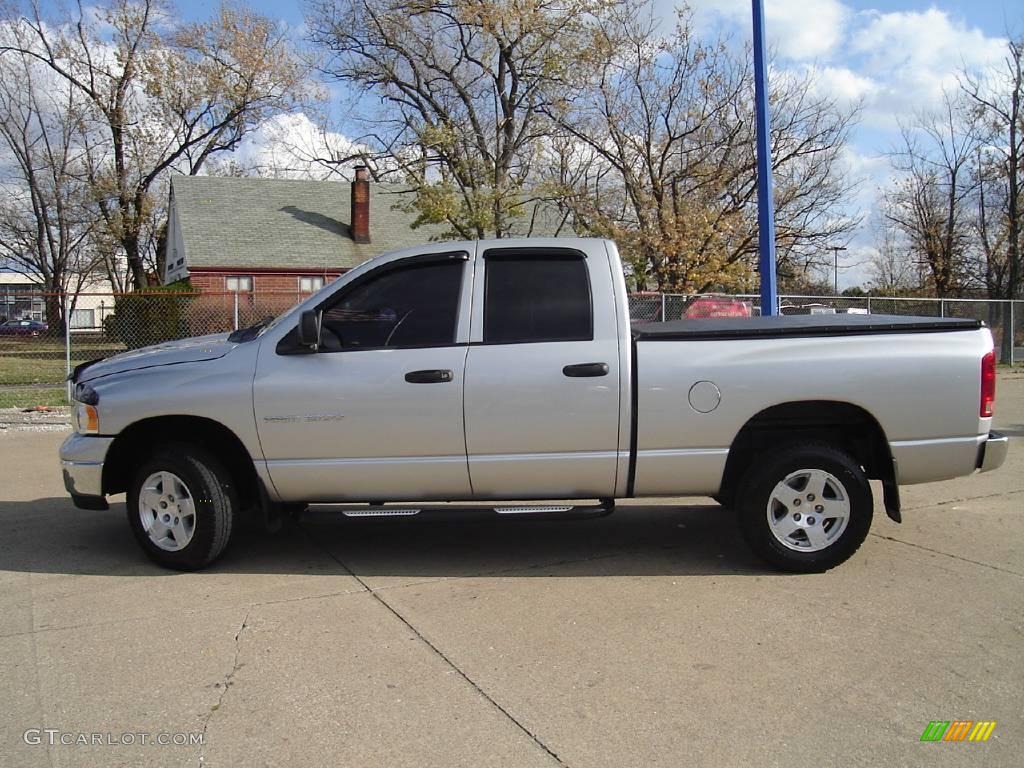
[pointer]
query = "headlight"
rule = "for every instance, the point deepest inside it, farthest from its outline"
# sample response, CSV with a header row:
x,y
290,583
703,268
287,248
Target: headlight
x,y
86,394
87,420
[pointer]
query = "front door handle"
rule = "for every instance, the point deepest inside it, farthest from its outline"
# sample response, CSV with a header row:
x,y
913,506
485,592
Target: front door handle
x,y
582,370
434,376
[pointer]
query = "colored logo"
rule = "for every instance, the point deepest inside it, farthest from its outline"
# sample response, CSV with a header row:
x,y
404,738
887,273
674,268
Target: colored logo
x,y
958,730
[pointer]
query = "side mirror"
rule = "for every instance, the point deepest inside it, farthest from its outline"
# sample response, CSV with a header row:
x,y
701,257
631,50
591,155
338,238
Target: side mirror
x,y
309,329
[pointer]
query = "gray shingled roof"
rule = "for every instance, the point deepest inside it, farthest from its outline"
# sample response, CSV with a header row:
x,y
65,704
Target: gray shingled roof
x,y
275,223
284,223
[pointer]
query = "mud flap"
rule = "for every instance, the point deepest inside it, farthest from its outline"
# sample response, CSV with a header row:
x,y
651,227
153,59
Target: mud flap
x,y
891,495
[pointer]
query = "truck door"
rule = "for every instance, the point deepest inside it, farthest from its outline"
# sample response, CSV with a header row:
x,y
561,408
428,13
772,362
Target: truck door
x,y
542,375
376,413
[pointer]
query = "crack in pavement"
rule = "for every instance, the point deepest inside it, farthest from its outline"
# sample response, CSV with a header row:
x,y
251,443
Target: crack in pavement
x,y
947,502
363,587
948,554
38,681
440,654
224,689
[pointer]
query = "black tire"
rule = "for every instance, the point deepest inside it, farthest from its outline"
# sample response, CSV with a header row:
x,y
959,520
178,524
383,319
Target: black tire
x,y
758,487
213,498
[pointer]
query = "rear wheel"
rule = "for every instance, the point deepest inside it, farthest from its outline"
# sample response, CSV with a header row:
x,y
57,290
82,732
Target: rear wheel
x,y
181,507
807,509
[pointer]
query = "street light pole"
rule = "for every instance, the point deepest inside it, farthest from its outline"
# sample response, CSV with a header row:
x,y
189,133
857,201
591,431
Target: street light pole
x,y
835,253
765,195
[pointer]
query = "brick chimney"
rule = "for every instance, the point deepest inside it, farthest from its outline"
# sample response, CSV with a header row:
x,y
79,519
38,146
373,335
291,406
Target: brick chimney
x,y
360,226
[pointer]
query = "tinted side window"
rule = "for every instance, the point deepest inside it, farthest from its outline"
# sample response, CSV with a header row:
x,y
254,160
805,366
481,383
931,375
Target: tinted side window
x,y
414,306
537,297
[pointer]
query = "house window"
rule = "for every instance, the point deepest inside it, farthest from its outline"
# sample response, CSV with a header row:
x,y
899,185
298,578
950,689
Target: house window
x,y
83,318
310,284
240,284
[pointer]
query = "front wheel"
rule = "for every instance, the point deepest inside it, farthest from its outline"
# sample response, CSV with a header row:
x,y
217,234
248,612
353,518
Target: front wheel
x,y
807,509
181,507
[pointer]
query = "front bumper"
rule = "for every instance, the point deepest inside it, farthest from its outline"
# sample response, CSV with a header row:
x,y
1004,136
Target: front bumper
x,y
81,461
992,452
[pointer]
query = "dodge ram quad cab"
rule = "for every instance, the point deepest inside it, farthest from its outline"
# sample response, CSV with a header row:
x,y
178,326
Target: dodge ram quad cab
x,y
503,372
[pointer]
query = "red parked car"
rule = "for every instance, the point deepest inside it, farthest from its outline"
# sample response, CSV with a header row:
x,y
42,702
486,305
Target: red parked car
x,y
717,306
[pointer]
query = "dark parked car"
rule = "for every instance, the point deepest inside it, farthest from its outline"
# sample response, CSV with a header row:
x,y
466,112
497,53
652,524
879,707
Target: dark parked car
x,y
22,328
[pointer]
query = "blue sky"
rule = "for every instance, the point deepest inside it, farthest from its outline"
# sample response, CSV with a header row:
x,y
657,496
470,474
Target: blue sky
x,y
894,57
987,14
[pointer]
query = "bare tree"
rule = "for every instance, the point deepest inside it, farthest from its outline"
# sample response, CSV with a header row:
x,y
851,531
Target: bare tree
x,y
667,126
931,202
161,97
45,216
892,269
996,100
465,87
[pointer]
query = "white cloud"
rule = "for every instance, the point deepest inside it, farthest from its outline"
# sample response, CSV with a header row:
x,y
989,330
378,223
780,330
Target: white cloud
x,y
805,29
295,146
799,30
914,56
842,84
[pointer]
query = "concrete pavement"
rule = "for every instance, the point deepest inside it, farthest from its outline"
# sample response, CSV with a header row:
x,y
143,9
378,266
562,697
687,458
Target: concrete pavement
x,y
649,638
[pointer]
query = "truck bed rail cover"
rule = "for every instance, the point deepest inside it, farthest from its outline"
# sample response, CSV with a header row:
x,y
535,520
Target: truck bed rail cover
x,y
797,325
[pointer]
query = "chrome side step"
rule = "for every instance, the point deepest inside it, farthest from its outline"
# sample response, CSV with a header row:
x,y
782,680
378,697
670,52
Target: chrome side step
x,y
559,512
511,512
530,510
380,512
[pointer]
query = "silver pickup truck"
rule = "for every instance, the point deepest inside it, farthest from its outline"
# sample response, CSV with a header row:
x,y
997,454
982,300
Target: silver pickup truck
x,y
508,371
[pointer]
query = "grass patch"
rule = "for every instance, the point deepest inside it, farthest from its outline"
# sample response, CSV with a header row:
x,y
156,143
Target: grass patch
x,y
28,370
42,360
29,397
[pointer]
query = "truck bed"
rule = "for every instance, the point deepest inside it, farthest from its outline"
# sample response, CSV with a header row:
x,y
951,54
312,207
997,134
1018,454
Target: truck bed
x,y
797,326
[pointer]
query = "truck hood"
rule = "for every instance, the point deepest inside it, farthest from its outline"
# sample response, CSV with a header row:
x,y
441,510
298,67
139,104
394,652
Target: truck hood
x,y
193,350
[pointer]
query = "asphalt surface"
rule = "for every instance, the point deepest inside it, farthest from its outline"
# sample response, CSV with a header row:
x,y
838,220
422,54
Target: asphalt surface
x,y
648,638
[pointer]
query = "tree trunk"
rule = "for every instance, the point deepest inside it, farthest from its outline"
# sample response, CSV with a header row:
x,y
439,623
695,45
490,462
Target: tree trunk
x,y
54,305
130,242
1006,329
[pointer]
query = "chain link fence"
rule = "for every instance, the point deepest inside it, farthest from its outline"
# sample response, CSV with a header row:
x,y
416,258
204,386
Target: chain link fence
x,y
35,358
1000,315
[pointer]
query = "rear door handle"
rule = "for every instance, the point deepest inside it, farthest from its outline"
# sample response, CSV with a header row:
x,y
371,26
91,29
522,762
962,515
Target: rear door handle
x,y
582,370
433,376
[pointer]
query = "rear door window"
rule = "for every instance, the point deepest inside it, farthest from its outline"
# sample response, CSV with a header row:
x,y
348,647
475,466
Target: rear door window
x,y
536,296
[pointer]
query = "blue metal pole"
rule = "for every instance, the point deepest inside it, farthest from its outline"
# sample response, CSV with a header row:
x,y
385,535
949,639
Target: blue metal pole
x,y
765,207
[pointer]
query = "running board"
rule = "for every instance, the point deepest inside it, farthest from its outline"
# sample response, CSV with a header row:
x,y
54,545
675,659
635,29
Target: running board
x,y
559,511
530,510
380,512
512,511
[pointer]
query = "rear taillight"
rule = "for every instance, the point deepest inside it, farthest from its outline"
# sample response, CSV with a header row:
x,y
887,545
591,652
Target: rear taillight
x,y
988,384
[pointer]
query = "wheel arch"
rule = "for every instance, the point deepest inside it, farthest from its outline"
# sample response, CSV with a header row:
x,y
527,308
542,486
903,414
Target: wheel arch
x,y
139,440
841,424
